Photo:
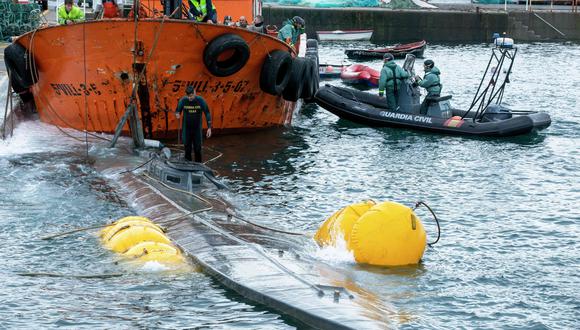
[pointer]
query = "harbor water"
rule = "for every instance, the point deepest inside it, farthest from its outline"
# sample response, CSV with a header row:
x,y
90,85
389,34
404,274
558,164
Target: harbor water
x,y
508,208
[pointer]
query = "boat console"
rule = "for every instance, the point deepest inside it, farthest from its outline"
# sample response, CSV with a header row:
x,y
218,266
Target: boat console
x,y
409,97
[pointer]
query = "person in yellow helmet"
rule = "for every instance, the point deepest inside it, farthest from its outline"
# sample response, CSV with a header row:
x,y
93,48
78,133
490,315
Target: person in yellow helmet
x,y
69,13
203,11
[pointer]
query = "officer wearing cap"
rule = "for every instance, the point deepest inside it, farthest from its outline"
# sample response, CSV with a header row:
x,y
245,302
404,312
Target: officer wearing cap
x,y
292,30
392,76
431,82
192,106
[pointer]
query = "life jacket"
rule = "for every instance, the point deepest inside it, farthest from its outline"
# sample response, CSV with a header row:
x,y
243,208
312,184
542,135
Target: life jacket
x,y
110,9
201,7
75,15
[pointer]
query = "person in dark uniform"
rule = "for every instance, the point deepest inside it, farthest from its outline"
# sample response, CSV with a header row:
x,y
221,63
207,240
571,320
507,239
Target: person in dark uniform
x,y
391,81
192,106
431,82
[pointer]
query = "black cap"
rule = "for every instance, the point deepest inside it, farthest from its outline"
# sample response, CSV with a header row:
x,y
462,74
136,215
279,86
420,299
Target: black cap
x,y
298,20
388,57
189,90
429,63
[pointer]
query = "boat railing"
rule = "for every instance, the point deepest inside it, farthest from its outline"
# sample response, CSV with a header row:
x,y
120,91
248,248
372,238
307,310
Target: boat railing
x,y
550,25
561,5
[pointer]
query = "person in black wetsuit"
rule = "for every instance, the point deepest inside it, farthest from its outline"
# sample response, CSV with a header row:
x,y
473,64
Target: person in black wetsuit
x,y
192,106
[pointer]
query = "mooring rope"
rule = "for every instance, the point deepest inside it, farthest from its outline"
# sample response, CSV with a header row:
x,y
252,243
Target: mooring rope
x,y
419,203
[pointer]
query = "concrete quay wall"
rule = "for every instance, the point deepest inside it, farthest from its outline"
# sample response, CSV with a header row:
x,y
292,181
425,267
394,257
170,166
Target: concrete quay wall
x,y
433,25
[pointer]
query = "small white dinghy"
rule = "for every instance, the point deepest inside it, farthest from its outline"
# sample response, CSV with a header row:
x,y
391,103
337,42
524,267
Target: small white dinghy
x,y
347,35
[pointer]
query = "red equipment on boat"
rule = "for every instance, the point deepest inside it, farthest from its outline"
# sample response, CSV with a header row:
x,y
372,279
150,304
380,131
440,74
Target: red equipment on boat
x,y
358,74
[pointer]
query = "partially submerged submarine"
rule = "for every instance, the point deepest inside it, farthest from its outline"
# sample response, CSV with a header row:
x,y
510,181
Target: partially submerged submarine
x,y
264,265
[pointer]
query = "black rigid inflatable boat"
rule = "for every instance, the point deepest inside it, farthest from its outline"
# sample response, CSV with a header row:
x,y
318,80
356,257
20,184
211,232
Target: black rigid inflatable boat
x,y
485,117
369,109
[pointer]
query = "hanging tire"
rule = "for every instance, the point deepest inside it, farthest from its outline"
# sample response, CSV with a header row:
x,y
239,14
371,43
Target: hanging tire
x,y
275,72
311,80
226,55
293,90
20,72
308,80
312,43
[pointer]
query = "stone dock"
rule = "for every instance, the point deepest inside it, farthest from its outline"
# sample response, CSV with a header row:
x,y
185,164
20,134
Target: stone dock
x,y
451,25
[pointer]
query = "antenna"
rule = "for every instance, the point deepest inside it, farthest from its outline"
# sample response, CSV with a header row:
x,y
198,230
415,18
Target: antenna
x,y
496,76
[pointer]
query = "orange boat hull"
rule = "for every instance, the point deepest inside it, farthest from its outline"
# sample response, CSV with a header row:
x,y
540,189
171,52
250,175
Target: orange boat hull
x,y
86,74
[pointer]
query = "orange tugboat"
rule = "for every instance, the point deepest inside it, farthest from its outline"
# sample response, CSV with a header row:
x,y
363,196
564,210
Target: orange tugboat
x,y
86,76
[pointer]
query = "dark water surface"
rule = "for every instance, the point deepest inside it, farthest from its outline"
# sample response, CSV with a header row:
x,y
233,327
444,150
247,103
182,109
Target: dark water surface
x,y
508,255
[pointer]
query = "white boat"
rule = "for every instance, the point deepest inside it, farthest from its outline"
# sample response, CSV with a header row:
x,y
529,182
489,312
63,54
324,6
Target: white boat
x,y
348,35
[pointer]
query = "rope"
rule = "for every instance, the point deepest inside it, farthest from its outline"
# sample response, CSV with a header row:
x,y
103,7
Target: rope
x,y
259,37
232,237
49,107
210,205
230,213
199,32
38,274
66,233
84,93
215,158
265,227
8,96
178,148
419,203
136,168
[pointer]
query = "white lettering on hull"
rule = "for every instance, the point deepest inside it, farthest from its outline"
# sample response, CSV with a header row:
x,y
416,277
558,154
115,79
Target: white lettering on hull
x,y
405,116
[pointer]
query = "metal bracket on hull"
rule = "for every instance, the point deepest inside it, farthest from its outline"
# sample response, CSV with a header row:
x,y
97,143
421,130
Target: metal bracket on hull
x,y
134,125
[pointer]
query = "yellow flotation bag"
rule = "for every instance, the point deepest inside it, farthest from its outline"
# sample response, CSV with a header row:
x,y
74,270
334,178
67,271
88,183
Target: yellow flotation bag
x,y
105,231
125,223
155,251
386,234
340,223
124,239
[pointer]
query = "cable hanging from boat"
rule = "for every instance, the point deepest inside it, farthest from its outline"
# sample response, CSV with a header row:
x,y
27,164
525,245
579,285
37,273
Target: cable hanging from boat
x,y
85,91
54,112
8,103
31,62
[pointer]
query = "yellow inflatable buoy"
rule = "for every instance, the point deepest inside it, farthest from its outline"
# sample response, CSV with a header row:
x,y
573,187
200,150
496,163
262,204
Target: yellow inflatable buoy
x,y
155,251
386,234
110,231
141,239
124,239
106,230
340,223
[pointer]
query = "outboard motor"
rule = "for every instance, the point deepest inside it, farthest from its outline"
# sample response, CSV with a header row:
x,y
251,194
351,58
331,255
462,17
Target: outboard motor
x,y
409,95
496,112
440,107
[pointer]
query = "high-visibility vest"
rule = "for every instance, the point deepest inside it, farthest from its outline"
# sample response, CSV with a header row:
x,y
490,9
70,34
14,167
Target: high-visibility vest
x,y
201,8
75,14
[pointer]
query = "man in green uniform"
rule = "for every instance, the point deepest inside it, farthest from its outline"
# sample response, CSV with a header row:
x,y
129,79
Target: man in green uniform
x,y
203,11
392,76
431,82
69,13
292,30
192,106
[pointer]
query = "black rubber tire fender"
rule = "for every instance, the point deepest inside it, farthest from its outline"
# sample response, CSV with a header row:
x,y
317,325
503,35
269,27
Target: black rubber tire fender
x,y
293,90
312,43
313,82
233,47
20,72
276,71
308,80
